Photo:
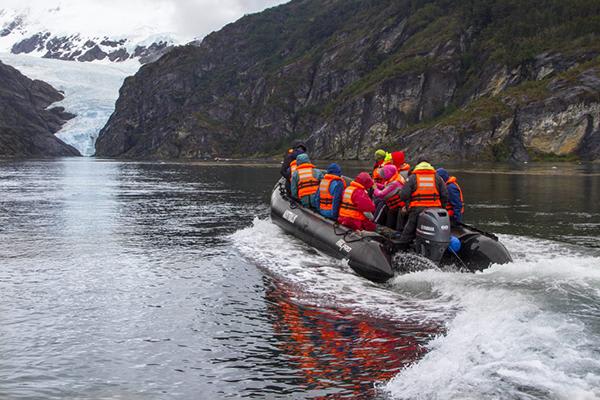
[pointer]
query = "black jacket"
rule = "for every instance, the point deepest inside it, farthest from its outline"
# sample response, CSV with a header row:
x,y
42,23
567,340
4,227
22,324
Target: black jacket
x,y
287,160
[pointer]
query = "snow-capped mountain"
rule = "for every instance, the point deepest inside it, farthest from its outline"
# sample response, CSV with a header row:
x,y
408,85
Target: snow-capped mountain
x,y
47,33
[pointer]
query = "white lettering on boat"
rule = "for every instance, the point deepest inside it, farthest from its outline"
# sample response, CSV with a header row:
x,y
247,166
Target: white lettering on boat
x,y
290,216
343,246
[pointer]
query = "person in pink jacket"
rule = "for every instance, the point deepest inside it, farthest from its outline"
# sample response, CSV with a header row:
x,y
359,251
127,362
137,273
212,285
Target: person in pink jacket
x,y
356,211
389,195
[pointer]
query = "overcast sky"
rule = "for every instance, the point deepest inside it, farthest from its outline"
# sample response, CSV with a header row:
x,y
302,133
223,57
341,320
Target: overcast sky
x,y
187,18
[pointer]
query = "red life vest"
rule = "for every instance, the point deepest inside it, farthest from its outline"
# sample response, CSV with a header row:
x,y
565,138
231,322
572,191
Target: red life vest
x,y
307,183
325,197
394,201
426,194
348,209
449,207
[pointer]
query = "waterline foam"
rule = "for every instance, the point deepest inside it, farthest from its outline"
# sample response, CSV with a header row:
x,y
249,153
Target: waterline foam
x,y
526,330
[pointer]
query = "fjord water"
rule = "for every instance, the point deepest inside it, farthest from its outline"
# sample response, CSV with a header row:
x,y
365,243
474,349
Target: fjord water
x,y
124,280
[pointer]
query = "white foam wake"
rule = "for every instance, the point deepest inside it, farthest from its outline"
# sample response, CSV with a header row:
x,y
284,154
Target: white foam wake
x,y
323,280
525,330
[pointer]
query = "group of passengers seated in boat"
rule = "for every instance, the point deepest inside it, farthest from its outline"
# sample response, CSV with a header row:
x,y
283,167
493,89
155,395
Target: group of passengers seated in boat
x,y
393,195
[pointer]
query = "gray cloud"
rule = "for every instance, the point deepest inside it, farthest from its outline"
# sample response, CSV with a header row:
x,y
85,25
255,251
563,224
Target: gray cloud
x,y
197,18
188,18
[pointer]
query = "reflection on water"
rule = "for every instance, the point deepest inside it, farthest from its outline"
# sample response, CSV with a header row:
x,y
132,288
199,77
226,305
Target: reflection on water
x,y
337,350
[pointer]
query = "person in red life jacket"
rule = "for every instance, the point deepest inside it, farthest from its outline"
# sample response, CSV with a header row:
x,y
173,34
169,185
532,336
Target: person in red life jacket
x,y
305,182
331,191
456,203
424,189
399,161
389,194
356,211
289,162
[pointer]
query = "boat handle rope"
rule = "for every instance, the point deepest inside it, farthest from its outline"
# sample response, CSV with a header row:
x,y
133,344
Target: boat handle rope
x,y
345,234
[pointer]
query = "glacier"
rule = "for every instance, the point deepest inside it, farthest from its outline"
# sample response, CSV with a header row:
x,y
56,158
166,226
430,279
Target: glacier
x,y
90,89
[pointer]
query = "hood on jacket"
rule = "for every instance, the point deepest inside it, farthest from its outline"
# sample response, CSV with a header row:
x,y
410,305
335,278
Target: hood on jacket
x,y
302,159
380,155
398,158
423,165
365,179
334,169
299,145
442,173
387,171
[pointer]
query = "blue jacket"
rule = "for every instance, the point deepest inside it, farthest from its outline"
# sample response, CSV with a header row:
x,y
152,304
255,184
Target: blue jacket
x,y
454,198
453,195
307,201
336,190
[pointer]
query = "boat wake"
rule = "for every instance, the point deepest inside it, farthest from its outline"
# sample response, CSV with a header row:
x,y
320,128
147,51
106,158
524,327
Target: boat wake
x,y
528,329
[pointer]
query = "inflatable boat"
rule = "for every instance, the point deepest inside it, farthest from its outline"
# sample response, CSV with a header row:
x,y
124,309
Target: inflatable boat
x,y
376,255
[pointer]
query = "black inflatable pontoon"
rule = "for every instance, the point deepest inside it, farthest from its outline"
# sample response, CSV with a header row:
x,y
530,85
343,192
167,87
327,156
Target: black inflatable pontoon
x,y
374,255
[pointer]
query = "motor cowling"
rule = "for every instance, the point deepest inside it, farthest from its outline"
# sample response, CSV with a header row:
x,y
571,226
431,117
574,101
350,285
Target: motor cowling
x,y
433,234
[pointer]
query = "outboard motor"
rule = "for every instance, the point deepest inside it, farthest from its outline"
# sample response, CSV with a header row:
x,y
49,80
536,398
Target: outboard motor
x,y
433,234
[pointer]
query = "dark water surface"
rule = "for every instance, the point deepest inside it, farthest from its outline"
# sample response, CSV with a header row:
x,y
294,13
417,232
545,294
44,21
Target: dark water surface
x,y
145,280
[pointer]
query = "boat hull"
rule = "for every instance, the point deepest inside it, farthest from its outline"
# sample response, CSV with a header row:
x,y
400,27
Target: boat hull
x,y
367,254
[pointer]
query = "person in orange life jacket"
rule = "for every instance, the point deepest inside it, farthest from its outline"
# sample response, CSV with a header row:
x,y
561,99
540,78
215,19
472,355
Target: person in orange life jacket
x,y
331,191
424,189
456,204
286,171
356,211
398,160
380,157
305,182
389,194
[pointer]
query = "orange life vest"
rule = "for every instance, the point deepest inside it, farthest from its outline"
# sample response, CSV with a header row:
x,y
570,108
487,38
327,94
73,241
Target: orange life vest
x,y
307,183
348,209
376,177
426,194
394,201
325,198
404,167
449,207
293,168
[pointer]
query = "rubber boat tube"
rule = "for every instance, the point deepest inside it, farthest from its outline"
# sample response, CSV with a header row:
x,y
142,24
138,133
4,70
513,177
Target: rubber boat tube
x,y
369,254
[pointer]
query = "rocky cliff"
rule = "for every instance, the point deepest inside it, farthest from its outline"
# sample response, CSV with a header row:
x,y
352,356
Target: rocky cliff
x,y
27,125
446,79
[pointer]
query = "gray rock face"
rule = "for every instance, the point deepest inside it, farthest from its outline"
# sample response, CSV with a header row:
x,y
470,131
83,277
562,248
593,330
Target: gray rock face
x,y
349,77
11,26
27,126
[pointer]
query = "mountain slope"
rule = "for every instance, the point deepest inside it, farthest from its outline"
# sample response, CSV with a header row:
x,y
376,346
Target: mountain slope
x,y
449,79
27,126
